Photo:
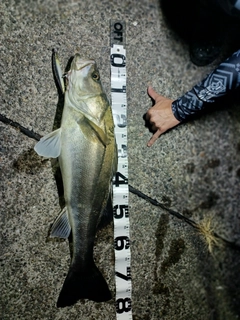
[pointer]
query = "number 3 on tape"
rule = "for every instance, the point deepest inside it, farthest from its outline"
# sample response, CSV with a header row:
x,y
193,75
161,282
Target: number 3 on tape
x,y
120,181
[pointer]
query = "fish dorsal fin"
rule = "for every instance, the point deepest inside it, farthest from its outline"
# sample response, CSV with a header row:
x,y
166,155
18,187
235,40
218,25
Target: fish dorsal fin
x,y
107,214
61,227
49,146
115,160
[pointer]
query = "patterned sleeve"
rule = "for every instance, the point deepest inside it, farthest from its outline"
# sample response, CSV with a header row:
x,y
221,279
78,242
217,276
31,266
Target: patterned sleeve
x,y
224,78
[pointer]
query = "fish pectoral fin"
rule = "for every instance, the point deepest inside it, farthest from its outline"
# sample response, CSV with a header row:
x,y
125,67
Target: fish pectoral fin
x,y
87,124
61,227
49,146
101,135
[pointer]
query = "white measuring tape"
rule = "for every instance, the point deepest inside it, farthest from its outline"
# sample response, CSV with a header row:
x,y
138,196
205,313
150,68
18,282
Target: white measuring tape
x,y
120,181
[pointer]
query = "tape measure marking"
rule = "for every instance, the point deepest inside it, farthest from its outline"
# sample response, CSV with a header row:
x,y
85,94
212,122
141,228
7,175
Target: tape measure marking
x,y
120,181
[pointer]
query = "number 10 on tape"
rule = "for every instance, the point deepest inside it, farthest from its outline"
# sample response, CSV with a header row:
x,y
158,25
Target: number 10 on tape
x,y
120,181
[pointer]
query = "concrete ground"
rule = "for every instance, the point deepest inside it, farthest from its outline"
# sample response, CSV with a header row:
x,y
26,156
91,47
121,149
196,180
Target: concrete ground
x,y
193,169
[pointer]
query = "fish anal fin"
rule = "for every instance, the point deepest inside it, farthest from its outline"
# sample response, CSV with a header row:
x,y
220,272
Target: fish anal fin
x,y
49,146
61,227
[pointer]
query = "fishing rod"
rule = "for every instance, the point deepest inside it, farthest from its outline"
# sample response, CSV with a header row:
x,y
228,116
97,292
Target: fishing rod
x,y
206,233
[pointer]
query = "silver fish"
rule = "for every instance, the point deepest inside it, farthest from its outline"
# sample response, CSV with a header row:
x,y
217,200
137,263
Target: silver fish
x,y
86,149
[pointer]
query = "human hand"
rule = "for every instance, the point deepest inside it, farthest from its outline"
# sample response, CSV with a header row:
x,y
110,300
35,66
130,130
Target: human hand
x,y
160,116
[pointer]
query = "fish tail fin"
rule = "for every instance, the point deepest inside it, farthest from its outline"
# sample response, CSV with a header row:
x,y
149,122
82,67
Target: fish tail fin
x,y
83,285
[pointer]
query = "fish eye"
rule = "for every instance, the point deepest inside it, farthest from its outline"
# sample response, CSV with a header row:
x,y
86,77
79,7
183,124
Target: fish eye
x,y
95,76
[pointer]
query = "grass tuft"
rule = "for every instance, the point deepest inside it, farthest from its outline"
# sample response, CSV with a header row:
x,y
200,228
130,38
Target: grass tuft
x,y
206,229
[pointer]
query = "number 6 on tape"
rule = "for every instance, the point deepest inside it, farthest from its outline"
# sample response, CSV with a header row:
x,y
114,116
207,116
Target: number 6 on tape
x,y
120,181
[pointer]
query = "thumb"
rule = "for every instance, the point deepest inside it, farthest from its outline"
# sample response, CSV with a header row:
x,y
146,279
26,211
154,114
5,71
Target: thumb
x,y
152,93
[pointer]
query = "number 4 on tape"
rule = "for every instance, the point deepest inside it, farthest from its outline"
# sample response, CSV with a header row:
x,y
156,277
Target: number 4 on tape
x,y
120,181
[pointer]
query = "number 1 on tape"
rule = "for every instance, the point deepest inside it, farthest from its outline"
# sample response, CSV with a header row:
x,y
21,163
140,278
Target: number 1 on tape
x,y
120,181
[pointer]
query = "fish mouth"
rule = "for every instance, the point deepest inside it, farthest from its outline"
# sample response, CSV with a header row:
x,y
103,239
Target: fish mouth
x,y
78,63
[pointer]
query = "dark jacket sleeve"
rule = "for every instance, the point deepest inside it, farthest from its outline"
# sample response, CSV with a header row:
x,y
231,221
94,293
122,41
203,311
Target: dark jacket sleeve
x,y
224,78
